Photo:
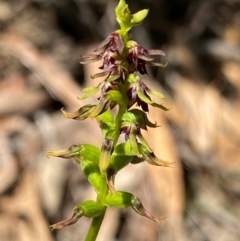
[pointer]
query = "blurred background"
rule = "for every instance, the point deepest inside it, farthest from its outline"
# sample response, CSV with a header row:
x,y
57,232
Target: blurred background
x,y
40,46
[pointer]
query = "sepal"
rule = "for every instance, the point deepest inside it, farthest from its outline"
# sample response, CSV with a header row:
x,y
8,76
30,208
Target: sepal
x,y
150,157
138,207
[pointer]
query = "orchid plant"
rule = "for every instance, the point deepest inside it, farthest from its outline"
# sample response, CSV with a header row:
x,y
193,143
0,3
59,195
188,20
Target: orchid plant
x,y
124,60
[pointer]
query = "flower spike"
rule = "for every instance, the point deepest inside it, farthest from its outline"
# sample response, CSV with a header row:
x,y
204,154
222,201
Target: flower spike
x,y
123,61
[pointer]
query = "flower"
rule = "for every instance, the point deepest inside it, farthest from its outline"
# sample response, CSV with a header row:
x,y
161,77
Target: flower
x,y
137,57
114,42
138,93
113,47
133,93
131,128
114,73
89,209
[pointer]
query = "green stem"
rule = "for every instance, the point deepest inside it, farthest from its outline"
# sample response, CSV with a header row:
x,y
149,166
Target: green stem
x,y
97,221
95,227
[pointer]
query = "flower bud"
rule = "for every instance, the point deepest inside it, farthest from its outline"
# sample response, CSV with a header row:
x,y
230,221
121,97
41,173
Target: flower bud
x,y
123,15
88,209
137,18
92,172
79,152
122,199
107,149
118,199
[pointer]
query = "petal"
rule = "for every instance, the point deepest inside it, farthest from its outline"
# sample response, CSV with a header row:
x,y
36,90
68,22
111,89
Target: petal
x,y
150,157
142,119
90,58
101,74
155,93
155,52
104,43
160,106
106,152
143,96
90,91
157,64
83,113
144,142
100,108
134,144
117,43
110,178
145,58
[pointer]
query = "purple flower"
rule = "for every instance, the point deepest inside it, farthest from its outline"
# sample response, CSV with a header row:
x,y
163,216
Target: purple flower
x,y
139,93
114,42
137,57
134,97
113,73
